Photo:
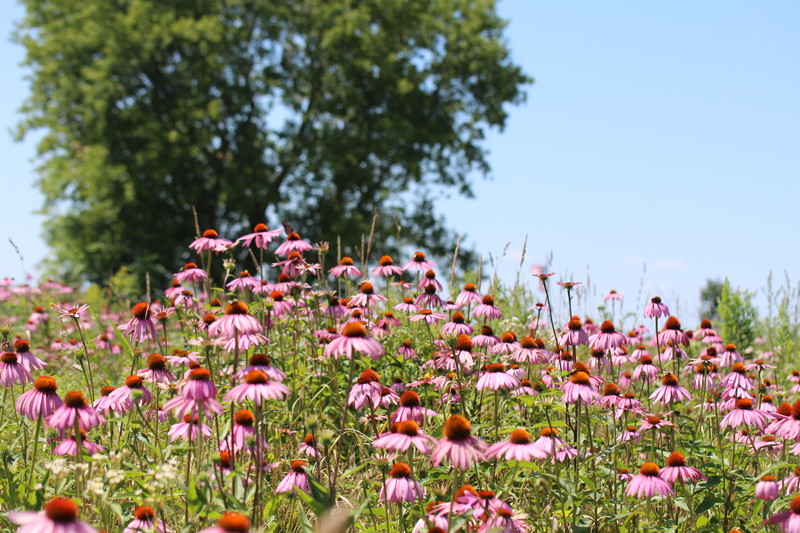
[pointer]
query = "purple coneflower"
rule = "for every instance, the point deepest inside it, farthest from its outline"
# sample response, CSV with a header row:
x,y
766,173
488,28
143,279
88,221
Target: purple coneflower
x,y
458,444
190,273
518,447
656,309
257,388
790,520
428,316
309,446
744,415
199,392
457,326
506,521
767,488
60,515
613,296
398,386
367,297
670,392
411,409
156,371
145,521
429,280
629,404
528,352
142,325
245,282
260,361
74,408
407,306
549,443
703,378
508,344
648,483
631,433
241,431
611,396
646,370
429,299
387,268
574,334
73,312
182,357
402,436
261,236
236,320
608,338
730,356
354,338
487,309
210,241
790,483
401,487
41,400
103,403
189,429
579,387
280,305
69,446
406,350
419,262
12,372
293,243
366,391
295,479
486,338
655,422
638,353
598,362
122,398
672,332
26,357
230,522
676,470
468,296
623,474
496,378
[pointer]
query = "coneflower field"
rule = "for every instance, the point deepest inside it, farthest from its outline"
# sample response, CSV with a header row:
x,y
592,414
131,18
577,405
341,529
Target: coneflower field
x,y
301,390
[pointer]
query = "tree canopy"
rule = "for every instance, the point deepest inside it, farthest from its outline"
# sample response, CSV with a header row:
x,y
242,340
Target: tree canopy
x,y
317,112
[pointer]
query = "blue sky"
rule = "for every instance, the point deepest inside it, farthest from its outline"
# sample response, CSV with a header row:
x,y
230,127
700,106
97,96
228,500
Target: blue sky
x,y
660,133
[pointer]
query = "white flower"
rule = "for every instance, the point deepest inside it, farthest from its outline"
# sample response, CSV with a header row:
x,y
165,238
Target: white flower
x,y
95,485
115,476
57,466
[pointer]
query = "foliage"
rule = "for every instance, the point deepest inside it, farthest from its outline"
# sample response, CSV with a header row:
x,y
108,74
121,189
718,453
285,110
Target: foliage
x,y
190,483
709,299
318,112
738,317
782,326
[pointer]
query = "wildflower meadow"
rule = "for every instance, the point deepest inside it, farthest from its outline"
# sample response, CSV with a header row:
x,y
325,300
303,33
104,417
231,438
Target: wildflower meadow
x,y
300,390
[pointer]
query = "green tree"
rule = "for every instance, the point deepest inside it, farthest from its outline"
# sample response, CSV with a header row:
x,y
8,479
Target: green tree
x,y
738,317
317,112
709,299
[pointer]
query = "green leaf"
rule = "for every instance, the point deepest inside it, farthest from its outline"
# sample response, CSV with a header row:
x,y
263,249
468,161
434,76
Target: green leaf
x,y
709,502
316,507
681,503
319,492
